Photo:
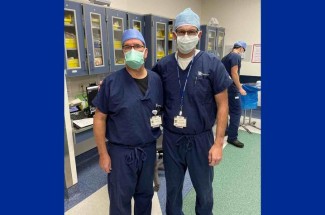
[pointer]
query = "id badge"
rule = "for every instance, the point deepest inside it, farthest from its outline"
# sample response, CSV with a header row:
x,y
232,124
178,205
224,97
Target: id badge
x,y
179,121
155,121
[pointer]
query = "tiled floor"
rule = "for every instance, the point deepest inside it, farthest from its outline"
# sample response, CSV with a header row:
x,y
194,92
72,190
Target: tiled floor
x,y
98,203
84,201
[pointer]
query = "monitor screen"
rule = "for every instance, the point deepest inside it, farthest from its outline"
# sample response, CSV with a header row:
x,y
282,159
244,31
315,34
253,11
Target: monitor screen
x,y
91,94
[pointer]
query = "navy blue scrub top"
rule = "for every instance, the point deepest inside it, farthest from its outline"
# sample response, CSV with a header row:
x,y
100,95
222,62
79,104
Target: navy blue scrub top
x,y
207,78
128,110
230,60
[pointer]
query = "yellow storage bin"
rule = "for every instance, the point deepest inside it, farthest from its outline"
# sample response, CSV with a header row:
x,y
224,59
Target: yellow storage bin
x,y
116,26
119,61
170,36
70,43
68,20
160,34
117,44
95,20
160,54
73,63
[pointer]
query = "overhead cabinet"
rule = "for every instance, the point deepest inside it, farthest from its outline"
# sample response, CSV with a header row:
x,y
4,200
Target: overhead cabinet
x,y
135,21
209,39
159,38
93,38
75,53
86,39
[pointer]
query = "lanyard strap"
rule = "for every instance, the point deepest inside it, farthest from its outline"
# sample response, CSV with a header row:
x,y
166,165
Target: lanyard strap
x,y
182,92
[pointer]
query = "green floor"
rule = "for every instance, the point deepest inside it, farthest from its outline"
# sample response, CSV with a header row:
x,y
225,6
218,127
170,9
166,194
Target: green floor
x,y
237,180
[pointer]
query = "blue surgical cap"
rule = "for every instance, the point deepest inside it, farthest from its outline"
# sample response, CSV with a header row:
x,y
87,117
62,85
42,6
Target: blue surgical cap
x,y
240,44
132,34
187,17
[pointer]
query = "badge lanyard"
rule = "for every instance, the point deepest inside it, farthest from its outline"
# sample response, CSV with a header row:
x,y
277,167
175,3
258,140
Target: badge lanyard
x,y
180,86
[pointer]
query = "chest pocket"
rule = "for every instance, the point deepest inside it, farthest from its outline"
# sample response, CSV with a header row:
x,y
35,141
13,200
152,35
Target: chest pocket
x,y
202,88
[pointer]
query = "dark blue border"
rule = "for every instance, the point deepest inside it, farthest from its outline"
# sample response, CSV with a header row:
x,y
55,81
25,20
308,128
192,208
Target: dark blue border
x,y
292,100
32,107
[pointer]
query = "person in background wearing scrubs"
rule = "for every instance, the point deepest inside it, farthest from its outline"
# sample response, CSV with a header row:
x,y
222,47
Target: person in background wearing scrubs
x,y
232,62
127,114
195,96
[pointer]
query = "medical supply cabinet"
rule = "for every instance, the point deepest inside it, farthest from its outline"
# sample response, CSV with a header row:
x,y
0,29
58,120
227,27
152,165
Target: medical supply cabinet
x,y
75,53
93,38
208,41
85,35
159,38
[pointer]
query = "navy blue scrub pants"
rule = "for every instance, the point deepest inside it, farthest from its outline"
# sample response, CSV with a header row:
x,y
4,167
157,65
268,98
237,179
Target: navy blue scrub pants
x,y
131,176
234,113
182,152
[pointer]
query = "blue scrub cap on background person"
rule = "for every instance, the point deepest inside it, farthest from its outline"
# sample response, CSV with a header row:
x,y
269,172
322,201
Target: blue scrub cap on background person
x,y
187,17
240,44
132,34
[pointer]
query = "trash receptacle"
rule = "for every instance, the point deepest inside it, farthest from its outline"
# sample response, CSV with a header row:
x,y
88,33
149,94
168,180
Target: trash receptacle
x,y
250,100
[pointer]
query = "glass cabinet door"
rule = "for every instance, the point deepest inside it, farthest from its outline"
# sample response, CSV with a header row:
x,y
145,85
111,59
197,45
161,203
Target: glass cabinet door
x,y
136,21
97,40
221,41
117,38
211,41
171,43
73,40
96,34
160,40
156,36
137,25
116,26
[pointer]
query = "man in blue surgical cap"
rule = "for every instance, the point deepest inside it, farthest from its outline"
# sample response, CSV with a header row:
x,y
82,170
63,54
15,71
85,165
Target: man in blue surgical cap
x,y
127,115
195,97
232,62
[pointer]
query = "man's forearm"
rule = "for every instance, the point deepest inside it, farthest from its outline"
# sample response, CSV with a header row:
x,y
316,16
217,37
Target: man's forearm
x,y
99,133
222,116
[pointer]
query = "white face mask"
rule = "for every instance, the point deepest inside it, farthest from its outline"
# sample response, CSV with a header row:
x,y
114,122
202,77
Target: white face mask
x,y
186,44
242,55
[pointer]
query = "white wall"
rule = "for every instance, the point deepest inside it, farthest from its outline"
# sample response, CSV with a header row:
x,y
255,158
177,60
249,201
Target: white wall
x,y
164,8
242,20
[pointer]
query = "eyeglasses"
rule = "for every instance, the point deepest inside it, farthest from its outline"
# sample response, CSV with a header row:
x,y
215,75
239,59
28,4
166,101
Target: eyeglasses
x,y
136,47
189,33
